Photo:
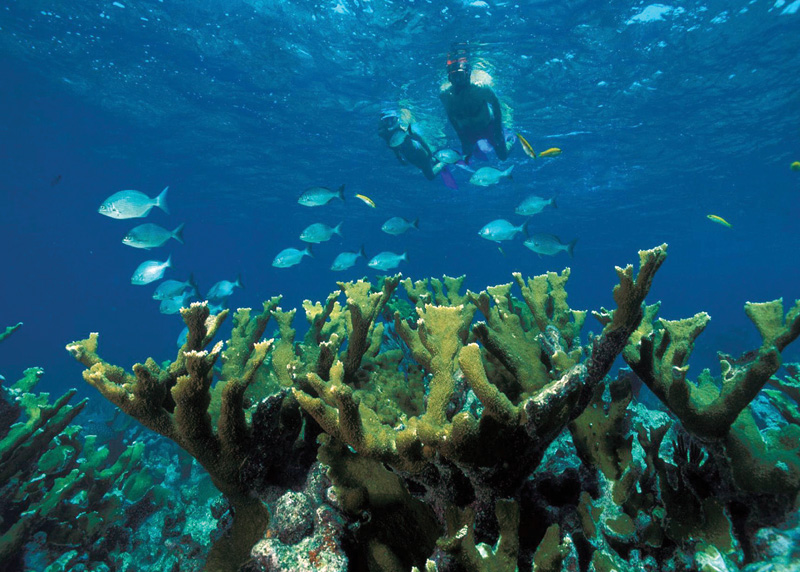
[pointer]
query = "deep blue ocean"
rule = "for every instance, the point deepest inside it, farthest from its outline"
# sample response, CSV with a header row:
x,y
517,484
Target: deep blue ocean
x,y
664,114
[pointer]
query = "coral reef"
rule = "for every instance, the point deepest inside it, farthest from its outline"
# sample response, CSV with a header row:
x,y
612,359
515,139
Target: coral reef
x,y
175,401
60,488
478,431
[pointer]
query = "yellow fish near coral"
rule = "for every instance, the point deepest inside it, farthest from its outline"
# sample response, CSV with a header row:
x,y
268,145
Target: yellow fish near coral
x,y
795,166
720,220
526,147
367,200
551,152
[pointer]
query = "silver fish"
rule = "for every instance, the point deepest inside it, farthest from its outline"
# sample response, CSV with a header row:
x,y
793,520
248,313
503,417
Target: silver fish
x,y
534,205
386,260
398,225
132,204
174,305
223,289
151,235
501,229
183,336
171,288
448,156
290,256
150,271
347,260
318,196
319,232
487,176
549,244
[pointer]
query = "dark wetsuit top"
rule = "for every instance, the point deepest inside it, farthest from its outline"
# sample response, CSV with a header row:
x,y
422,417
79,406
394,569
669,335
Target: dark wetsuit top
x,y
475,113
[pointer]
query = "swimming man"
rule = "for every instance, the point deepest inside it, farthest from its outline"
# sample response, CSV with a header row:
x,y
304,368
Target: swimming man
x,y
472,108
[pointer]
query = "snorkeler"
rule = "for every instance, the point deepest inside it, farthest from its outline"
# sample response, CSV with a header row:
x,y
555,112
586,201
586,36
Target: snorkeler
x,y
472,108
408,145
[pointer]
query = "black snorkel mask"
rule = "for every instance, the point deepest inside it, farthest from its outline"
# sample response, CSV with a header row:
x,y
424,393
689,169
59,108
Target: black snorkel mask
x,y
458,72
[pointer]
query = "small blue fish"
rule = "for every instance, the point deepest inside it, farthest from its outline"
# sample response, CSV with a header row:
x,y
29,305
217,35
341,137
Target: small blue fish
x,y
318,196
534,205
150,271
132,204
549,245
386,260
319,232
223,289
398,225
448,156
487,176
347,260
290,256
151,235
501,229
171,288
183,336
174,305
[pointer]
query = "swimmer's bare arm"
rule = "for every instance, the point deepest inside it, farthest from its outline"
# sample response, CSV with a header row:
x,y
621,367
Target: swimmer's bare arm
x,y
497,113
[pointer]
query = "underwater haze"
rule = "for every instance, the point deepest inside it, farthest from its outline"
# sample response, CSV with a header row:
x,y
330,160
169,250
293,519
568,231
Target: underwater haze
x,y
677,123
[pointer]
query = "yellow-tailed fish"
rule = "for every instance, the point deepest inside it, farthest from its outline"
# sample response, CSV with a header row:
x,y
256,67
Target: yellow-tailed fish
x,y
795,166
367,200
720,220
551,152
526,147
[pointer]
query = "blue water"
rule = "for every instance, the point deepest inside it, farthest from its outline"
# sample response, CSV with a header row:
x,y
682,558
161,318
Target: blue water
x,y
239,106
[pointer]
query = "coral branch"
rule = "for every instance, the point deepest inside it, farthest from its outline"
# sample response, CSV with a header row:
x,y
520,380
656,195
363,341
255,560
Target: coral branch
x,y
363,308
660,359
10,330
175,403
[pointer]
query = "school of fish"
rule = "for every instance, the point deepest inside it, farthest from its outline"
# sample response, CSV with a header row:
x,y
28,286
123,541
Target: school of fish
x,y
319,232
172,295
499,230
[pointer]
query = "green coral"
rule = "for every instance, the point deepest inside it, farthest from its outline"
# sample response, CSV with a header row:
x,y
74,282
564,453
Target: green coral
x,y
434,422
401,530
552,551
718,410
786,393
10,330
52,479
459,541
660,358
174,401
442,440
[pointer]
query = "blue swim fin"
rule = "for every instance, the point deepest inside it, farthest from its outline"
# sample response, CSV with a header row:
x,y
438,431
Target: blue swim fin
x,y
448,179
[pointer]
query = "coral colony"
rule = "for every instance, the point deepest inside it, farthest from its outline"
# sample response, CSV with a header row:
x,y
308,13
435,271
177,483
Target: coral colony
x,y
433,430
